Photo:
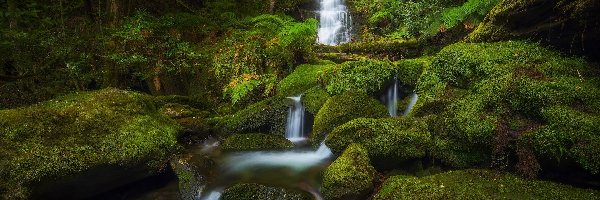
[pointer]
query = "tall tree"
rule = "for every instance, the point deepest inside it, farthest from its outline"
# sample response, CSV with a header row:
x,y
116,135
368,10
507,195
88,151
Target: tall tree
x,y
12,11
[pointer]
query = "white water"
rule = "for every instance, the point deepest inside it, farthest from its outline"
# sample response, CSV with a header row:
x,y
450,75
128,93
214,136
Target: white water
x,y
294,129
335,23
413,100
295,160
392,98
291,168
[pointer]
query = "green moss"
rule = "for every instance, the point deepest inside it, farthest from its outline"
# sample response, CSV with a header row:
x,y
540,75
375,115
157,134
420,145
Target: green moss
x,y
255,141
267,116
569,135
389,141
71,134
343,108
350,176
302,79
314,98
477,184
175,110
252,191
368,75
409,70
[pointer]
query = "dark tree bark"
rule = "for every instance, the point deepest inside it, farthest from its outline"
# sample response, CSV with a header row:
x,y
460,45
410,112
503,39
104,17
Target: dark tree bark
x,y
12,10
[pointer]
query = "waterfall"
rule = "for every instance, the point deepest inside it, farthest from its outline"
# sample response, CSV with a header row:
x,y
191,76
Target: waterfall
x,y
335,23
294,129
413,100
392,98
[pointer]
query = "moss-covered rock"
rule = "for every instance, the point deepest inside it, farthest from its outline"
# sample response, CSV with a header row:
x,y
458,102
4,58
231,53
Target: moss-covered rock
x,y
569,25
350,176
314,98
369,76
266,116
175,110
568,136
388,141
254,142
477,184
343,108
409,70
69,135
472,101
252,191
303,78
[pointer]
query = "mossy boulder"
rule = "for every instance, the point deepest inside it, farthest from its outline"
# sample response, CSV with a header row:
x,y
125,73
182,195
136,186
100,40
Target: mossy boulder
x,y
303,78
568,136
388,141
409,70
370,76
350,176
252,191
569,25
266,116
67,136
343,108
477,104
478,184
314,98
255,142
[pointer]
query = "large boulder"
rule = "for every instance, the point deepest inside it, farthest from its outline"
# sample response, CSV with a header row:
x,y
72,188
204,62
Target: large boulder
x,y
477,184
46,147
478,99
343,108
569,25
350,176
389,141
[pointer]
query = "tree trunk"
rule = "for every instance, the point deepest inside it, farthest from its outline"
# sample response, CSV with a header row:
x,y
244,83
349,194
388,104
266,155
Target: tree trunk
x,y
113,12
12,11
271,6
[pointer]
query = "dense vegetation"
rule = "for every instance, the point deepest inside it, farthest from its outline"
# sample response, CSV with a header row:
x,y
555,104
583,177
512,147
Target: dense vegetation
x,y
508,94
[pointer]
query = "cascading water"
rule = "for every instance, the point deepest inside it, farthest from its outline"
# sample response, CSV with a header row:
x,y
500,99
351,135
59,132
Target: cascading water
x,y
285,168
335,23
392,98
294,130
413,100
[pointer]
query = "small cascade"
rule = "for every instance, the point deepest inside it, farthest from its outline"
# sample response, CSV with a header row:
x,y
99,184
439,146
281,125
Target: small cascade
x,y
281,168
294,129
392,98
413,100
335,23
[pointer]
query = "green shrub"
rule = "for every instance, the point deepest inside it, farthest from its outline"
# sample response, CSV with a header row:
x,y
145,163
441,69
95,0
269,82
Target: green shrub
x,y
477,184
388,141
343,108
350,176
66,136
255,141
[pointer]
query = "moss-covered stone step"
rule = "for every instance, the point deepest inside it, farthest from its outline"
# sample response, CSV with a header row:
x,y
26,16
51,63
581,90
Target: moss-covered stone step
x,y
478,184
